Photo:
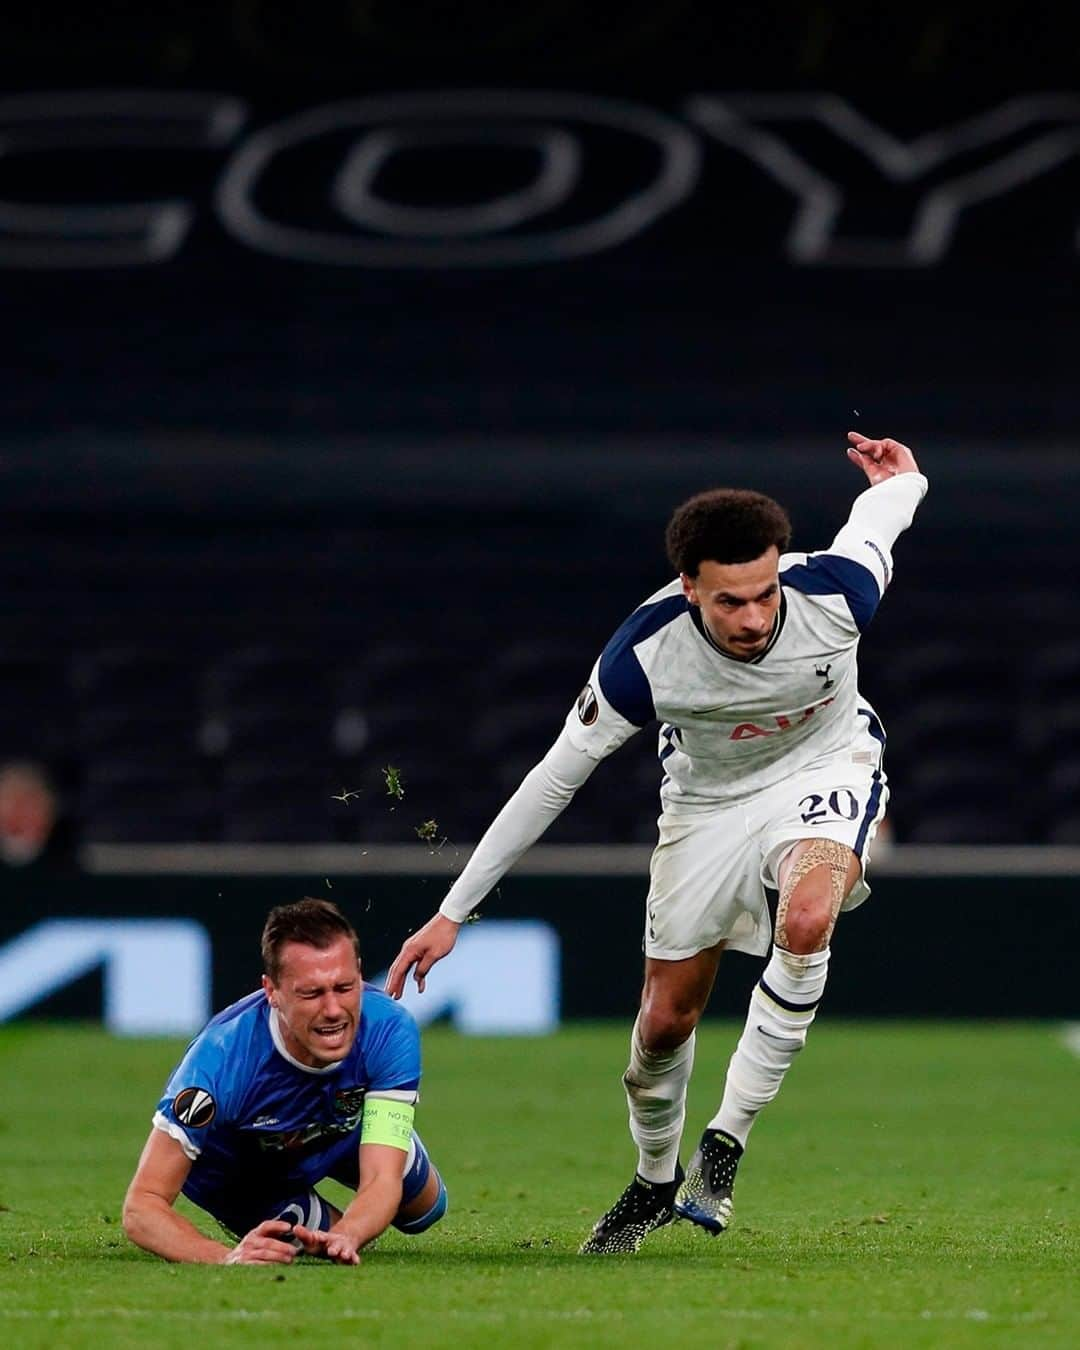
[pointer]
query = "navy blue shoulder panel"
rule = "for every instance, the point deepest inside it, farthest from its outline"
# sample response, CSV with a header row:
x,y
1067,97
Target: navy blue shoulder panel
x,y
622,679
833,574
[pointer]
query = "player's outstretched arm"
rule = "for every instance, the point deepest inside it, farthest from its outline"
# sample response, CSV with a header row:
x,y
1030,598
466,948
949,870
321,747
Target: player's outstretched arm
x,y
371,1212
546,790
149,1218
152,1223
880,459
426,946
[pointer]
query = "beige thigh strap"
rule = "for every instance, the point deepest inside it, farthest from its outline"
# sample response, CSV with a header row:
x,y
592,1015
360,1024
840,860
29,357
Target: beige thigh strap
x,y
821,853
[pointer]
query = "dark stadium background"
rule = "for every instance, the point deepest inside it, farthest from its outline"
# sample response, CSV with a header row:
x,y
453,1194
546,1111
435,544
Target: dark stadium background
x,y
272,523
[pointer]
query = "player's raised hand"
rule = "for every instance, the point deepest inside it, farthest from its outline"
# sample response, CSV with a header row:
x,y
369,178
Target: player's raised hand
x,y
880,459
266,1245
426,946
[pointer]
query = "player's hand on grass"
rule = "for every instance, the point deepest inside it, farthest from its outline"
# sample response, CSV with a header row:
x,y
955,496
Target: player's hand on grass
x,y
312,1241
341,1249
426,946
271,1244
880,459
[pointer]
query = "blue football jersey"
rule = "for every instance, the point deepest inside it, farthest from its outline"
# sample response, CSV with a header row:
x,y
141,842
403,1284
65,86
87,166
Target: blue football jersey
x,y
253,1119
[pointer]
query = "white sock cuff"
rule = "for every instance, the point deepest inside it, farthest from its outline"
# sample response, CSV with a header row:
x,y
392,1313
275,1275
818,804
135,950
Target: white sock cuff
x,y
660,1061
804,961
793,981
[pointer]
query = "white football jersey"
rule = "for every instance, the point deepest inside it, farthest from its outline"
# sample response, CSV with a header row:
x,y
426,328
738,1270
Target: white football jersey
x,y
728,728
731,728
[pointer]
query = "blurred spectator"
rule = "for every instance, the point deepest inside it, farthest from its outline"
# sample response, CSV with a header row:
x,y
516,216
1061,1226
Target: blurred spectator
x,y
33,832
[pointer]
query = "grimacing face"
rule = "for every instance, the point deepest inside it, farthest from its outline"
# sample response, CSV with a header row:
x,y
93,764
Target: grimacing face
x,y
738,602
317,998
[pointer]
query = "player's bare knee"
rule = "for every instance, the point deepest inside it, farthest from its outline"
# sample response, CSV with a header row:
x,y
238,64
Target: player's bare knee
x,y
820,874
805,930
669,1013
664,1026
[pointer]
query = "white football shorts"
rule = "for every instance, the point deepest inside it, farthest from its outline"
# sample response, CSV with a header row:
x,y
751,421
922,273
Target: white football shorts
x,y
711,867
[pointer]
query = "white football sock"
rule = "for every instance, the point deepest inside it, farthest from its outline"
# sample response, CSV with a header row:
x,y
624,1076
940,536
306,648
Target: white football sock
x,y
655,1083
782,1006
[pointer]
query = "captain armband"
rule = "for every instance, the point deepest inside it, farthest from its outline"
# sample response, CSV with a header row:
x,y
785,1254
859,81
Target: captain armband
x,y
387,1122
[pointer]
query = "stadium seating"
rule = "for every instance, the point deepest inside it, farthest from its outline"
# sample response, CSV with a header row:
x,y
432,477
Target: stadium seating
x,y
971,798
255,745
188,682
34,710
155,802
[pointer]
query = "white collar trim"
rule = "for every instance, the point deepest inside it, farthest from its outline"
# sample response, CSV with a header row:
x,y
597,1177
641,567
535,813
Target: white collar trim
x,y
279,1046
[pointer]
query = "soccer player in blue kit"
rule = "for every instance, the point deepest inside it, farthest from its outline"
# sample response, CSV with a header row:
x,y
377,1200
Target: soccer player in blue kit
x,y
772,780
315,1075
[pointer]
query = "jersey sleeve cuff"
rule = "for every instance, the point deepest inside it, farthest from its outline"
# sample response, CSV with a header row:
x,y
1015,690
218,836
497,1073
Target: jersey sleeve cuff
x,y
166,1126
915,485
456,910
888,508
410,1096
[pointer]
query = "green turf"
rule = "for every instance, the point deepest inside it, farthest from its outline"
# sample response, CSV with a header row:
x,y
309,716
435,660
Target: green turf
x,y
913,1186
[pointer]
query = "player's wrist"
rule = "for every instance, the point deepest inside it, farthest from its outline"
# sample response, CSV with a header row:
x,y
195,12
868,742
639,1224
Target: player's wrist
x,y
357,1235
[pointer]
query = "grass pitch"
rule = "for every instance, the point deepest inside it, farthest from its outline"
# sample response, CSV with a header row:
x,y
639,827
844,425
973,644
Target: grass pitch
x,y
914,1185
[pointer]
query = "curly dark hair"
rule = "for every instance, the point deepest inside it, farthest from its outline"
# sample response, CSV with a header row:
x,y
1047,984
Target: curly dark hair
x,y
318,923
725,525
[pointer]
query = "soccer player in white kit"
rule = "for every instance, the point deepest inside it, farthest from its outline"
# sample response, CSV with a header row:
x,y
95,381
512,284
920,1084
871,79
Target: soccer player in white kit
x,y
773,778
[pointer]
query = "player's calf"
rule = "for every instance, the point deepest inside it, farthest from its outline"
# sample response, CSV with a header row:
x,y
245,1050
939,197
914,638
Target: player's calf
x,y
428,1215
423,1194
782,1008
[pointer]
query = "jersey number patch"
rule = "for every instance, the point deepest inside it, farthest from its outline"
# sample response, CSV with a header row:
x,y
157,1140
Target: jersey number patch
x,y
842,802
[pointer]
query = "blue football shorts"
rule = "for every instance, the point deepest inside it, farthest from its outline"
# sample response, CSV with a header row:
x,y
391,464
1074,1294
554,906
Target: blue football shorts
x,y
240,1212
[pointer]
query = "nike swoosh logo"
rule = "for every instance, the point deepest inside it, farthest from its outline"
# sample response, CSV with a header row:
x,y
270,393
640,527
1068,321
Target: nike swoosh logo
x,y
784,1040
704,712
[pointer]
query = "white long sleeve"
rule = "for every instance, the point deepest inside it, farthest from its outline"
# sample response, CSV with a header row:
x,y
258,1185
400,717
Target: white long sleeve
x,y
544,793
878,516
888,508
